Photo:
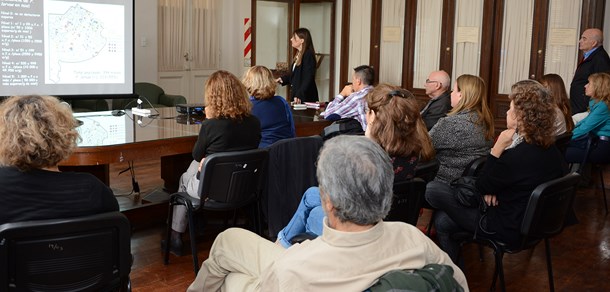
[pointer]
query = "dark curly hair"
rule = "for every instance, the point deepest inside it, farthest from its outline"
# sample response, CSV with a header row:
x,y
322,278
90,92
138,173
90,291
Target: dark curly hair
x,y
534,109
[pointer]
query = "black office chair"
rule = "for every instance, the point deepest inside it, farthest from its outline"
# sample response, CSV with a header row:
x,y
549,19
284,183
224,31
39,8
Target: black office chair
x,y
562,141
408,200
544,218
91,253
427,170
591,142
292,170
228,181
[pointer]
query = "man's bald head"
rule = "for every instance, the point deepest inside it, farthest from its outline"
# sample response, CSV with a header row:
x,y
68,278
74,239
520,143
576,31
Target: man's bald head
x,y
591,38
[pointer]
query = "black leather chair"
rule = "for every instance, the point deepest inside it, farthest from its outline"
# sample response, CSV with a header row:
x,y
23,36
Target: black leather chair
x,y
544,218
292,170
91,253
228,181
596,161
154,96
427,170
408,200
562,141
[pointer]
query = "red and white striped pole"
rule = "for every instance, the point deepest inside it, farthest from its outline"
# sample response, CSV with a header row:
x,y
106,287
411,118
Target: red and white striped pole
x,y
247,42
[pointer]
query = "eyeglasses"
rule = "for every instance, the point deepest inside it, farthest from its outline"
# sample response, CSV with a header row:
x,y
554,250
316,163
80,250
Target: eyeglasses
x,y
431,81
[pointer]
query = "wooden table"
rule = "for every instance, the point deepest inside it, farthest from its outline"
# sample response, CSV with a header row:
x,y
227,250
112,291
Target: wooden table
x,y
108,139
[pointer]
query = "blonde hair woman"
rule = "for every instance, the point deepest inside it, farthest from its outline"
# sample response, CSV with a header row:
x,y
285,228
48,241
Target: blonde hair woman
x,y
468,130
37,133
272,110
596,124
228,126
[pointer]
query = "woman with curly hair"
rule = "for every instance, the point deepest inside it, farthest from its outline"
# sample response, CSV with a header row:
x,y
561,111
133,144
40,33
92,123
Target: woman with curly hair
x,y
597,123
394,122
557,89
523,157
228,126
37,133
272,110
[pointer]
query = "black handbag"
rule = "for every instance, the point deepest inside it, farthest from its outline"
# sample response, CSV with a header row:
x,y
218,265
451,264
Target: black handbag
x,y
466,192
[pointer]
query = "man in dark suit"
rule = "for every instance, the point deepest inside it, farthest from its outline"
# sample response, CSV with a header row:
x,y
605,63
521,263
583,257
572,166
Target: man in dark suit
x,y
595,59
437,88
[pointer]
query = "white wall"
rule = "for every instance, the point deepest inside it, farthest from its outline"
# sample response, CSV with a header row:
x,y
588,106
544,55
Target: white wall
x,y
145,41
232,17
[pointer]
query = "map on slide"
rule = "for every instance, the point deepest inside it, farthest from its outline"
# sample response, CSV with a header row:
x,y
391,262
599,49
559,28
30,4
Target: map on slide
x,y
82,47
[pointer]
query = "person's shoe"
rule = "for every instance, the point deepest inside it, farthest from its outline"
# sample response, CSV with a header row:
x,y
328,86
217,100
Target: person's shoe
x,y
175,245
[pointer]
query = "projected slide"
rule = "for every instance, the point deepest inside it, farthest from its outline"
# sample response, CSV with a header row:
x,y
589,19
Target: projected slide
x,y
84,43
66,47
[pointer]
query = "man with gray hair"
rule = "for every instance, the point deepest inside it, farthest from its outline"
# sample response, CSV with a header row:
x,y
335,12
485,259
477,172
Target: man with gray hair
x,y
594,60
356,247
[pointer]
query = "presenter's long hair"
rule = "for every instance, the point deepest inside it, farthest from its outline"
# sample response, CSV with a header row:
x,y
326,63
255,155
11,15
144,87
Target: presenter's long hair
x,y
304,34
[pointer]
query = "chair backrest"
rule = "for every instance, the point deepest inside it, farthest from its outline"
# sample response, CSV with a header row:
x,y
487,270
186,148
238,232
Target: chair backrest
x,y
408,200
548,207
148,90
474,167
562,141
292,170
427,170
91,253
234,179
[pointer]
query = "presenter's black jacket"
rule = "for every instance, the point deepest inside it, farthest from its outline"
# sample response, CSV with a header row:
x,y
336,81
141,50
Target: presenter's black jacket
x,y
41,194
597,62
302,80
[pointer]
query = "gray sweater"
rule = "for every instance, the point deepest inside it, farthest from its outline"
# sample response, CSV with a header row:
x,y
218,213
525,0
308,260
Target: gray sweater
x,y
458,140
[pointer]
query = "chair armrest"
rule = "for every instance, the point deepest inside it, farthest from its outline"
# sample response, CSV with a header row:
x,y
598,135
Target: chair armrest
x,y
183,198
171,100
302,237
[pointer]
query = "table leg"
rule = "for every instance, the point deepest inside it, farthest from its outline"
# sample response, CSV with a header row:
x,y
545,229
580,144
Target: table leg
x,y
172,167
101,171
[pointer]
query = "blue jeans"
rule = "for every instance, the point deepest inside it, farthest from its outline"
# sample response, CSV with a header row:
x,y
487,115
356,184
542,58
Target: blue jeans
x,y
307,218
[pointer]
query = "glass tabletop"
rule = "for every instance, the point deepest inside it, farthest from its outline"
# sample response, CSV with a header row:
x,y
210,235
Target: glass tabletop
x,y
121,127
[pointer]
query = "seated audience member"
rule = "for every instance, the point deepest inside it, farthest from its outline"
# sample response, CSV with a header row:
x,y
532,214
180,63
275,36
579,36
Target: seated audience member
x,y
437,88
395,124
515,166
597,123
350,102
563,119
356,246
228,126
37,133
272,111
467,132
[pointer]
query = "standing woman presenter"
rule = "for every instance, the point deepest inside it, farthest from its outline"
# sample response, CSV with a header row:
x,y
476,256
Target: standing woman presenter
x,y
302,77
